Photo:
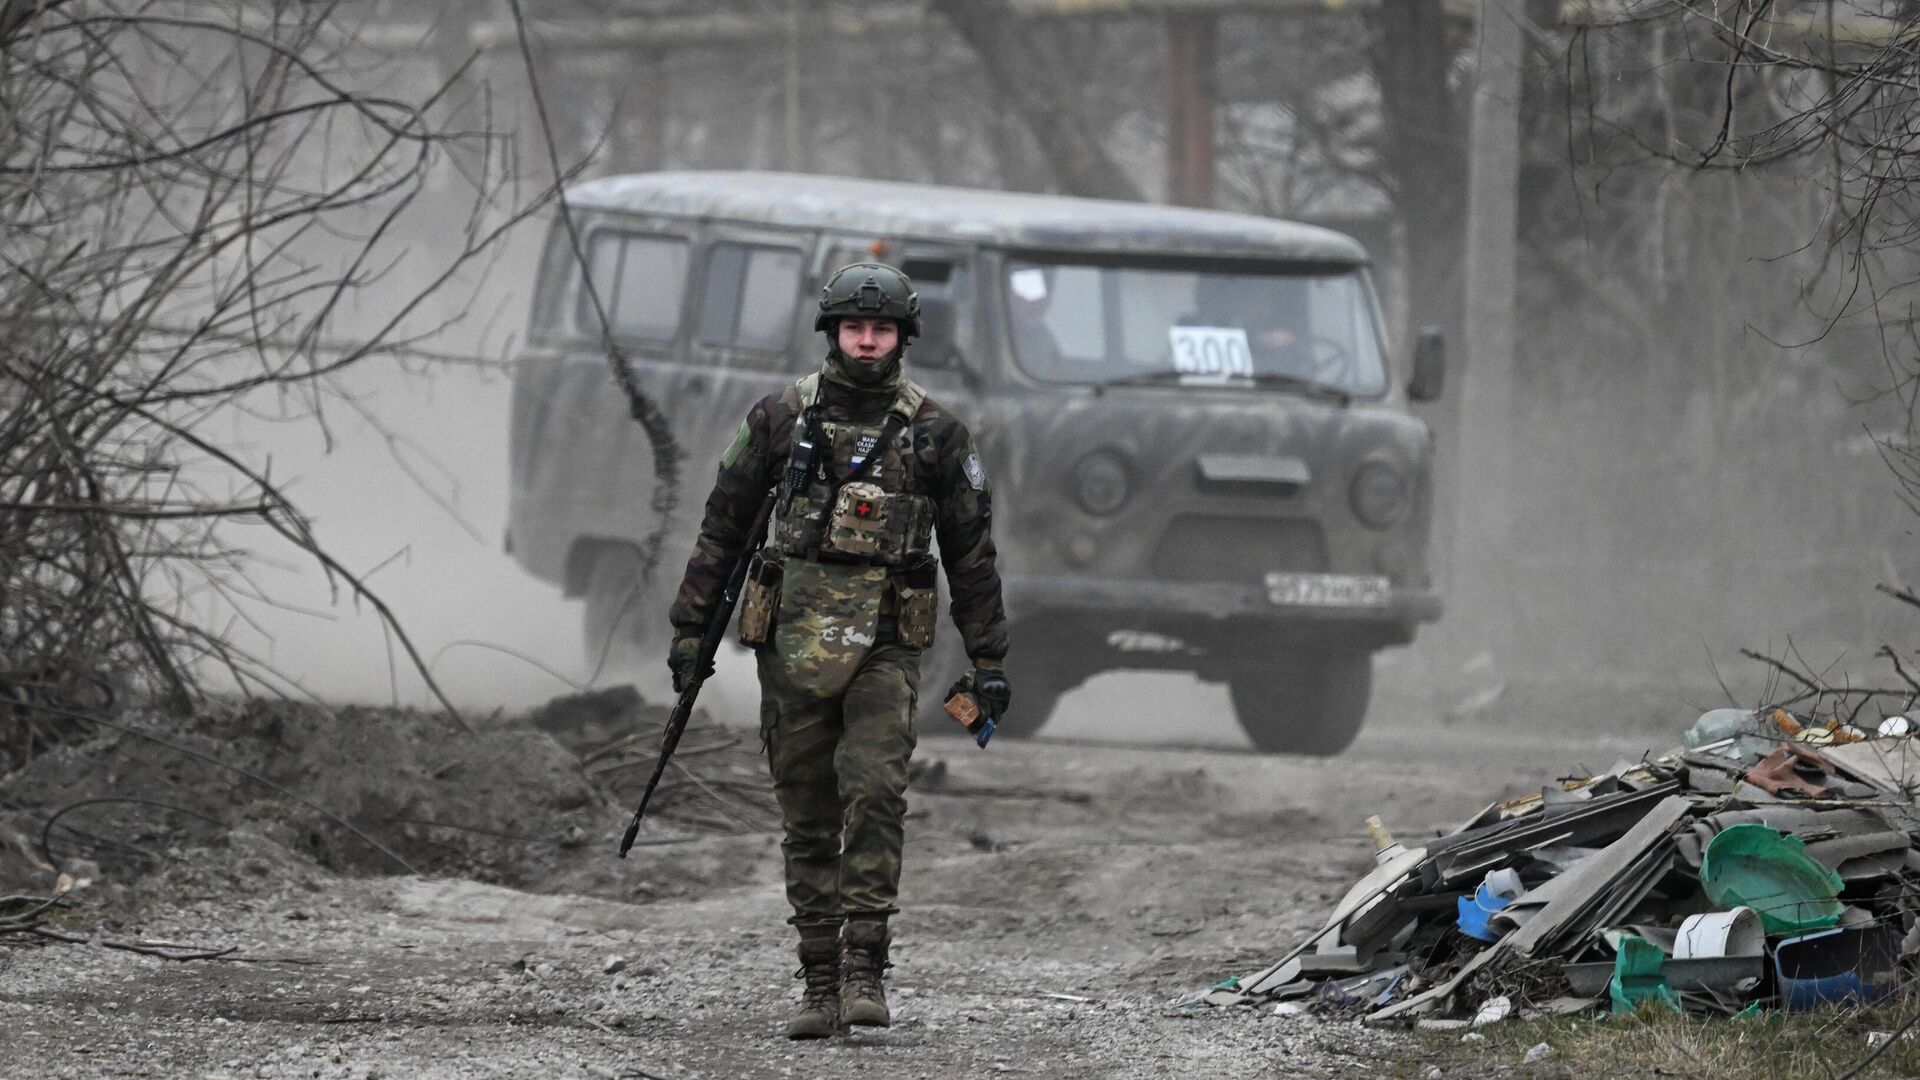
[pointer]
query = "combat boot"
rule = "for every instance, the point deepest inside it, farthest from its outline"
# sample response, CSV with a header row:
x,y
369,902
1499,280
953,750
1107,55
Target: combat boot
x,y
863,963
819,1014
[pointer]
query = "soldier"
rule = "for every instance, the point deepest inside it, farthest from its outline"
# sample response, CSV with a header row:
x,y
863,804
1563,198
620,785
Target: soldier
x,y
869,470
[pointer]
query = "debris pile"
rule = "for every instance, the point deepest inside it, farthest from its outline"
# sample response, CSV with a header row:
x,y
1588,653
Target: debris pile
x,y
1768,863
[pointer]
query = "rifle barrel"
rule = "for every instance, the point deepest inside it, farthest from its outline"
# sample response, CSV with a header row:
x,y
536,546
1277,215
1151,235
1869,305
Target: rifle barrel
x,y
715,632
669,742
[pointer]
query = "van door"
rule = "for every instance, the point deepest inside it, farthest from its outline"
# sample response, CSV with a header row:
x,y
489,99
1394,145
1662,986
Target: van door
x,y
597,469
708,325
747,318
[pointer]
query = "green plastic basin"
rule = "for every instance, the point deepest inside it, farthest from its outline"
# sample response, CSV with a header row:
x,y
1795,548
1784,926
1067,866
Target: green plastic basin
x,y
1764,869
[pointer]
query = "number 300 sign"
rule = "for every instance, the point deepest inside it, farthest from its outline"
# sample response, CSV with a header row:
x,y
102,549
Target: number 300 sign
x,y
1211,352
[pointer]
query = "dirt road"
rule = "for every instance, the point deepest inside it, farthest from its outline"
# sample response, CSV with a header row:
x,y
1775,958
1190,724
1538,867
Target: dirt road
x,y
1058,898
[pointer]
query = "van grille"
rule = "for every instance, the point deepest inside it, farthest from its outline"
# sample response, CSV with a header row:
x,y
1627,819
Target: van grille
x,y
1199,547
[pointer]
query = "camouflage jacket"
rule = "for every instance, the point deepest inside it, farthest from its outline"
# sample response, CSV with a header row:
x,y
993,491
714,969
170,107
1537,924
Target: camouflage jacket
x,y
946,469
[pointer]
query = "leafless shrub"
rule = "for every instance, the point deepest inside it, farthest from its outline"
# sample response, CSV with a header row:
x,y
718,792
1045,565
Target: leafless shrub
x,y
202,213
1820,91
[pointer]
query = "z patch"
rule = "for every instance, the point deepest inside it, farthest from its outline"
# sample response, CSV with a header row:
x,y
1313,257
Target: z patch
x,y
976,472
737,446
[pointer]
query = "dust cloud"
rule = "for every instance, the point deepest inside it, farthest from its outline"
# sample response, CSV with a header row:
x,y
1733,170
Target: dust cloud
x,y
430,547
1681,487
1694,463
407,486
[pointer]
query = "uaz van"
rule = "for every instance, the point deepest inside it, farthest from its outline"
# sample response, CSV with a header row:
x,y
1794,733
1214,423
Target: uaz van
x,y
1200,449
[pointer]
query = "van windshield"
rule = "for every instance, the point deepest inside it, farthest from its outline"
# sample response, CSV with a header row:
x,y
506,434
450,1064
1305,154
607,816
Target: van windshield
x,y
1195,325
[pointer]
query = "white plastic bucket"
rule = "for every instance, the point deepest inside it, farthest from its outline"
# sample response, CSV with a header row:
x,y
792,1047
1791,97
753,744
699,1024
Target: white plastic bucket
x,y
1720,933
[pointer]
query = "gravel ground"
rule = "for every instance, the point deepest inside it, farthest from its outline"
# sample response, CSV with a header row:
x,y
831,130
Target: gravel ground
x,y
1051,922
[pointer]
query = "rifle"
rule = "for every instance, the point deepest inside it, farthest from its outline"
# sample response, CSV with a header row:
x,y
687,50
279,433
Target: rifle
x,y
709,646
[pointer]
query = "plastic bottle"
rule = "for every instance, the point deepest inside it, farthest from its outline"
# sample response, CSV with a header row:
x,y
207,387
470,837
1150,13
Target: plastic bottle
x,y
1385,847
1716,725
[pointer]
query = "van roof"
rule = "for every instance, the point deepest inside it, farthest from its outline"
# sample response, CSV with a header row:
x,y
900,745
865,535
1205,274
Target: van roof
x,y
932,212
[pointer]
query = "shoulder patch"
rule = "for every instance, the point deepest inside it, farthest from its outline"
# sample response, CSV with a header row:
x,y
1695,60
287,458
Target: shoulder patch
x,y
976,472
737,446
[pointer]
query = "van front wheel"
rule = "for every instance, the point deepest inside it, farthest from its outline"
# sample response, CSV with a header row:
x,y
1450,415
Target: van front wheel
x,y
1305,702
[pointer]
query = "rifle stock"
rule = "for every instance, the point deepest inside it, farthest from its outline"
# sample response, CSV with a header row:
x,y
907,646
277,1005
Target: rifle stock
x,y
716,632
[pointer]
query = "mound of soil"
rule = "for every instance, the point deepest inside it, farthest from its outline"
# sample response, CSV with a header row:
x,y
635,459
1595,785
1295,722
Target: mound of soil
x,y
262,794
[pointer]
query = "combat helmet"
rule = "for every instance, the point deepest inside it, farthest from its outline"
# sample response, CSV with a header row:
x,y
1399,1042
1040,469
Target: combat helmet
x,y
872,291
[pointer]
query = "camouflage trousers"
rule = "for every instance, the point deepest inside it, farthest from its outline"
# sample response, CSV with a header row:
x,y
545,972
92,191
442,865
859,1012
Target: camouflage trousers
x,y
840,774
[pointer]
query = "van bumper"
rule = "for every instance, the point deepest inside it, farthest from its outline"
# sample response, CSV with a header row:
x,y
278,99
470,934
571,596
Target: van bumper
x,y
1147,604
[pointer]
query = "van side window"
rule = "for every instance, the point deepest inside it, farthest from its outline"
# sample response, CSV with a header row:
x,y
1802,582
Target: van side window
x,y
749,298
641,279
927,271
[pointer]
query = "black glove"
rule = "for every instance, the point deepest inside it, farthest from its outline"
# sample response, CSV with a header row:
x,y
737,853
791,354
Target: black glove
x,y
681,659
987,686
995,693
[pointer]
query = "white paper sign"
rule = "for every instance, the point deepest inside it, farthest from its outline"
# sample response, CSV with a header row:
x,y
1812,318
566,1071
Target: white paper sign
x,y
1211,353
1028,284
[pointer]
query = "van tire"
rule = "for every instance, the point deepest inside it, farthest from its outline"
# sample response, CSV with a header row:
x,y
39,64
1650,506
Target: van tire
x,y
1032,707
1056,662
1307,702
625,625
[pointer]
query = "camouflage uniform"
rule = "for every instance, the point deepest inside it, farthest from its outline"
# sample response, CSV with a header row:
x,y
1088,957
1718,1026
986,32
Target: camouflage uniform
x,y
838,688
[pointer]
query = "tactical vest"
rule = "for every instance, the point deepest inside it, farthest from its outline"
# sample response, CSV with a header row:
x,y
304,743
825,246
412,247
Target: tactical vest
x,y
872,519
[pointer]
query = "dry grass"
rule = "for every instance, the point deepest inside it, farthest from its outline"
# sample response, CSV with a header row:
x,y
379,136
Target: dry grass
x,y
1657,1042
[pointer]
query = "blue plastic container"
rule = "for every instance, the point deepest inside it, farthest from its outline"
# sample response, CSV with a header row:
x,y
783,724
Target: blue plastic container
x,y
1475,910
1851,963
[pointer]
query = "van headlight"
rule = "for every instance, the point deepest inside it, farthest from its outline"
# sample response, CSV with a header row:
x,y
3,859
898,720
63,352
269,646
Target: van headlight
x,y
1101,484
1380,495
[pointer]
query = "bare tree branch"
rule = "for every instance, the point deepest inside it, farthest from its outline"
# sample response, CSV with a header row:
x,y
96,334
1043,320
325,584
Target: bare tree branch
x,y
192,200
1032,84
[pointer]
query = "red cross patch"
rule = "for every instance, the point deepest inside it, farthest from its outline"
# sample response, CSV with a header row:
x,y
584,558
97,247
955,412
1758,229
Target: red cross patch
x,y
863,508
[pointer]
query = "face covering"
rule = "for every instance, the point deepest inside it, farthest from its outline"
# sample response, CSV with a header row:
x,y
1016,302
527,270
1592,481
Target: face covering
x,y
882,374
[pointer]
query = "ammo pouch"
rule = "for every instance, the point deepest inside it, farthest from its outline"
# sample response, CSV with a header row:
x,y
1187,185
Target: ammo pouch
x,y
760,601
917,588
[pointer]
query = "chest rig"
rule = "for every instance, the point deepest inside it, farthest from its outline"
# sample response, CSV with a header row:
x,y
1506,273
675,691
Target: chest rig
x,y
848,495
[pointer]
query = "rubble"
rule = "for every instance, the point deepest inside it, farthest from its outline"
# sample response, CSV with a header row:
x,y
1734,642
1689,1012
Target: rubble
x,y
1768,863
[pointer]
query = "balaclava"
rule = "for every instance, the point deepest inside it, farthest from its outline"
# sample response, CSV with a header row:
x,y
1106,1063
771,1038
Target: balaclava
x,y
882,374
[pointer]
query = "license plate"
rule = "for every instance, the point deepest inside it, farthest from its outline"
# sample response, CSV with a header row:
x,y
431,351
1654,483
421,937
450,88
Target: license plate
x,y
1329,590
